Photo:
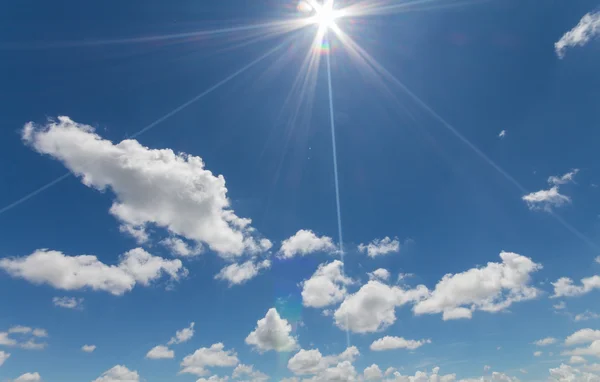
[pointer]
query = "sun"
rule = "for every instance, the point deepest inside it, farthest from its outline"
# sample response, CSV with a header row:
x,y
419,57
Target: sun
x,y
325,15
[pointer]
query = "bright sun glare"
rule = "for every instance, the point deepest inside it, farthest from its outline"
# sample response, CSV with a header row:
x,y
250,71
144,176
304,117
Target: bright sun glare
x,y
325,15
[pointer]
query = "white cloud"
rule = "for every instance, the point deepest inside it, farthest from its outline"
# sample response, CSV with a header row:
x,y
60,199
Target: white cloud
x,y
582,336
373,307
158,187
566,373
587,315
587,29
593,349
88,348
545,341
546,199
373,373
342,372
567,178
26,337
183,335
86,271
68,302
560,306
181,248
20,329
29,377
203,358
160,352
597,259
380,247
248,371
326,286
422,376
564,286
119,373
213,378
379,274
389,371
305,242
138,233
502,134
492,288
3,357
5,340
308,362
272,333
537,353
391,343
40,333
237,274
577,359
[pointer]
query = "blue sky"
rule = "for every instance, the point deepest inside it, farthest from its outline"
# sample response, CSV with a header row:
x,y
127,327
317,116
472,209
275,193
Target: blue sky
x,y
168,205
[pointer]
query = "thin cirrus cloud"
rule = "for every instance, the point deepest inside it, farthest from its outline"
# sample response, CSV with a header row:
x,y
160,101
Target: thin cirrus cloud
x,y
587,29
119,373
565,287
88,348
160,352
379,247
85,271
159,187
3,357
312,362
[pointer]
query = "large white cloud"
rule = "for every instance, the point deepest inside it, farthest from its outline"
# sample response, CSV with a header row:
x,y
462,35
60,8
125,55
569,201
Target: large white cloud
x,y
272,333
86,271
342,372
119,373
380,247
491,288
305,242
29,377
203,358
373,307
183,335
582,336
587,29
564,287
566,373
160,187
326,286
310,362
237,274
391,343
160,352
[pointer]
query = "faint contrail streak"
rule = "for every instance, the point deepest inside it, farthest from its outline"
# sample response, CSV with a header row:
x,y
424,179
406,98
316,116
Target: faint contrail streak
x,y
335,175
150,126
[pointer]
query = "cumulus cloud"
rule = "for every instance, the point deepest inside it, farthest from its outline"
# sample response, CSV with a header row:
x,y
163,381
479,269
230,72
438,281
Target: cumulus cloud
x,y
310,362
373,306
492,288
422,376
304,242
272,333
545,341
3,357
564,287
537,353
373,373
237,274
183,335
68,302
566,373
88,348
119,373
181,248
582,336
152,186
391,343
587,29
379,274
29,377
379,247
86,271
247,371
203,358
326,286
160,352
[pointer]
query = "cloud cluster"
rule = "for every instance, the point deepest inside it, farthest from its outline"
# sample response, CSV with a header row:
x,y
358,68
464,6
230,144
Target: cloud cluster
x,y
379,247
24,337
85,271
492,288
326,286
564,286
587,29
163,352
151,186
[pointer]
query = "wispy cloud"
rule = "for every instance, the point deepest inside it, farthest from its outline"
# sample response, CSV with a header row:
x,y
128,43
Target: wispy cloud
x,y
587,29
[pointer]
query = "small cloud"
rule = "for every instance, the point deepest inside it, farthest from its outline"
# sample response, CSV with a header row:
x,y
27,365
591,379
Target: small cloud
x,y
567,178
88,348
560,306
587,315
160,352
545,342
502,134
587,29
537,354
68,302
380,247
